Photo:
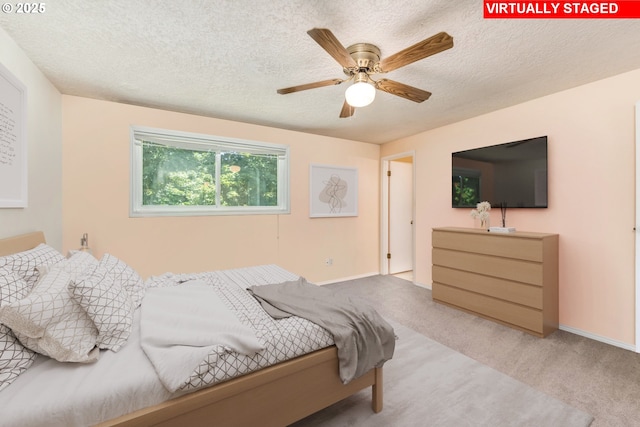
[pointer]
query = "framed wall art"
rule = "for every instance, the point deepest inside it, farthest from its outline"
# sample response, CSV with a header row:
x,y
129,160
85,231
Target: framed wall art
x,y
333,191
13,141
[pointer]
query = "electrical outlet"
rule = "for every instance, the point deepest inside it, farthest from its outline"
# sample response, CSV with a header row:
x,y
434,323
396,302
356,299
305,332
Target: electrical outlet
x,y
328,262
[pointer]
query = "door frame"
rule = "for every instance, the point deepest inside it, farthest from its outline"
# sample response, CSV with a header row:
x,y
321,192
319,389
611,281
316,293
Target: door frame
x,y
384,211
637,230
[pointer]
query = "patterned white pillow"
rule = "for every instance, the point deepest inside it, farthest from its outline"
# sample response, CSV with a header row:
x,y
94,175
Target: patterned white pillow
x,y
129,279
14,357
25,264
49,321
103,296
76,264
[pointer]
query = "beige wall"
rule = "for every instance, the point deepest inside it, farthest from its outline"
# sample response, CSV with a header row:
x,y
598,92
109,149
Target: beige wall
x,y
96,201
591,194
44,150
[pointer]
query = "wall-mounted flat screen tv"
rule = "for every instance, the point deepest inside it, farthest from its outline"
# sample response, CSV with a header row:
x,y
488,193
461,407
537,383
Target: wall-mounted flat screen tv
x,y
512,175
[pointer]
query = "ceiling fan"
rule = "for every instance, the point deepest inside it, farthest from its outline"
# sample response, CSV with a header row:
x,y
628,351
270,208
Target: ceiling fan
x,y
361,60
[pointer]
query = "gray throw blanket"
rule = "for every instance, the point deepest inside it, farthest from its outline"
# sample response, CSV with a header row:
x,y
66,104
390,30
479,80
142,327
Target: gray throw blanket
x,y
363,338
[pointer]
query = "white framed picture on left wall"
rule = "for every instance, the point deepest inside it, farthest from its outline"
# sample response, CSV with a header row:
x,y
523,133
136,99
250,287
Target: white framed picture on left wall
x,y
333,191
13,141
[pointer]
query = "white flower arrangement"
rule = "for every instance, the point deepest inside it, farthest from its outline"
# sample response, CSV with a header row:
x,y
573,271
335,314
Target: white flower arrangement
x,y
481,212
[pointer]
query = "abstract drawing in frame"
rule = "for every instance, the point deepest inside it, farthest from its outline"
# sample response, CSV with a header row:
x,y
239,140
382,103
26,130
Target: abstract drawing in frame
x,y
333,191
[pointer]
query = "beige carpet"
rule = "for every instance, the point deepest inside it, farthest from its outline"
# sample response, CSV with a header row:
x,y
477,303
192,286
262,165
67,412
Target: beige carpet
x,y
595,377
428,384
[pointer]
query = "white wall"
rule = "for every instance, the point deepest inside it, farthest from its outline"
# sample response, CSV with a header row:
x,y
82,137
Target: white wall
x,y
44,148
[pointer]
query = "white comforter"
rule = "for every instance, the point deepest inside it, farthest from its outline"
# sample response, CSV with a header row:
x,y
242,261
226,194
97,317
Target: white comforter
x,y
181,325
283,339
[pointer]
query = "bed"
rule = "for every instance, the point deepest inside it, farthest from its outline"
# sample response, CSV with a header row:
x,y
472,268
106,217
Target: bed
x,y
276,395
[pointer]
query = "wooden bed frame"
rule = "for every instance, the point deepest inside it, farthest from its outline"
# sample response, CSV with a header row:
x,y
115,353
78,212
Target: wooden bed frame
x,y
274,396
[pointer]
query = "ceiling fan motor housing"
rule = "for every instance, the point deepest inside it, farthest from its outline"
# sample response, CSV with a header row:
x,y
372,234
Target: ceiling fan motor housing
x,y
365,55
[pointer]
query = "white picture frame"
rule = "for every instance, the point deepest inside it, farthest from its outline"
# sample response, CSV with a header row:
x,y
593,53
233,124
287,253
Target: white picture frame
x,y
13,141
333,191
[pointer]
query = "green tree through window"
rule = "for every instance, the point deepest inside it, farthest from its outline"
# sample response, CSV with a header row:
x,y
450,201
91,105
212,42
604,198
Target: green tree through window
x,y
248,180
173,174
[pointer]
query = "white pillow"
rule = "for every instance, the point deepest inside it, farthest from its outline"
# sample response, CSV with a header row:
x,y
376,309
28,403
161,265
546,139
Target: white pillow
x,y
49,321
102,294
77,264
14,357
25,264
128,278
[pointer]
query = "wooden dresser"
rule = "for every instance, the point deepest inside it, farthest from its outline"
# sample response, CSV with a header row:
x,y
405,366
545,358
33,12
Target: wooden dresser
x,y
511,278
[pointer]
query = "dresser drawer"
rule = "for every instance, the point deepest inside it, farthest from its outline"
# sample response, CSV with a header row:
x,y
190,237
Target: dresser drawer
x,y
514,314
490,244
504,268
519,293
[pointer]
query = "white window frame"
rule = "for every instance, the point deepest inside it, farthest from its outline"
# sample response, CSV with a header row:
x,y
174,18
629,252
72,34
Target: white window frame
x,y
193,140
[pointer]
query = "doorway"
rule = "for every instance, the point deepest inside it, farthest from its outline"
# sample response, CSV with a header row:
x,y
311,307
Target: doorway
x,y
397,214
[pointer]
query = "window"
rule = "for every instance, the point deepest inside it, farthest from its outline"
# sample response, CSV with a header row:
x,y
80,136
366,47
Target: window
x,y
178,173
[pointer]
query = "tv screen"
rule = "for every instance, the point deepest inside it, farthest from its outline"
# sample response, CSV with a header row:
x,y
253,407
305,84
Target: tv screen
x,y
512,175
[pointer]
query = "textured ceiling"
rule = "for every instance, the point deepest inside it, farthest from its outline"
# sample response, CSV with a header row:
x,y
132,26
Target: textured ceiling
x,y
226,59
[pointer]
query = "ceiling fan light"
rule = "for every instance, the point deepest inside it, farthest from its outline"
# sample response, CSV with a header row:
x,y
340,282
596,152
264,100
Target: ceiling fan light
x,y
360,94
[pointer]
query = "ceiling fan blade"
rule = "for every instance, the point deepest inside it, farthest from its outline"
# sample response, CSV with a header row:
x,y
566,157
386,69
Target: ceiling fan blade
x,y
330,43
400,89
347,110
431,46
307,86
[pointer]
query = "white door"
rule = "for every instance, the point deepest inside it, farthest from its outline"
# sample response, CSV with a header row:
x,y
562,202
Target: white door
x,y
400,216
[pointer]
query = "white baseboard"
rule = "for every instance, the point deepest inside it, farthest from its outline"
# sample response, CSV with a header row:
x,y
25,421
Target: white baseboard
x,y
343,279
422,285
596,337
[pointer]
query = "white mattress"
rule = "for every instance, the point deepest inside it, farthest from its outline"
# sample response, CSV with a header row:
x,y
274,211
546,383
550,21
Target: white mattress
x,y
52,393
